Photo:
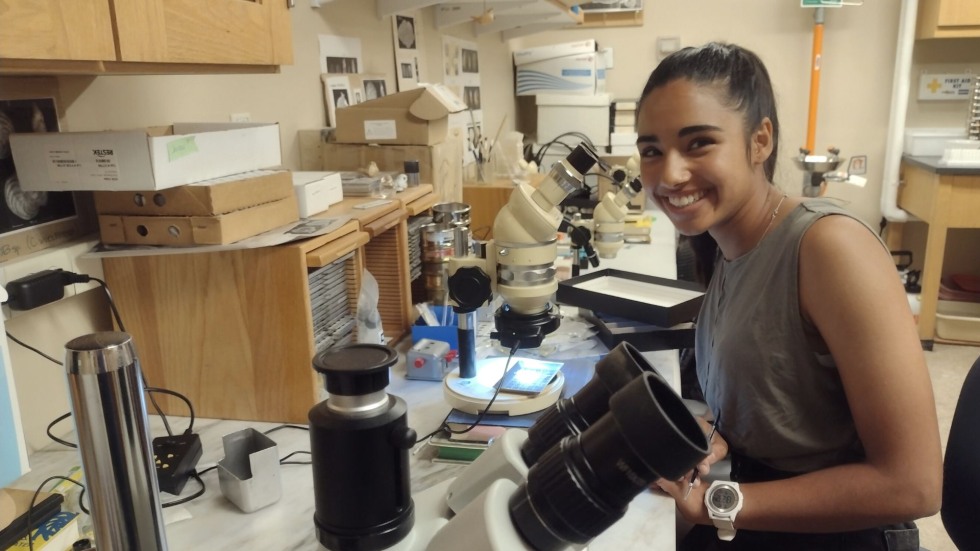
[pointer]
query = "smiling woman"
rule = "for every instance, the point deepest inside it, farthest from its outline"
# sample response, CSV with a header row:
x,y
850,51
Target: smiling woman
x,y
792,342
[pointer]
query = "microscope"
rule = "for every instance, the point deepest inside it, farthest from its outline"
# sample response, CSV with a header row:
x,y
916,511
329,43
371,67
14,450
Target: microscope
x,y
555,487
518,263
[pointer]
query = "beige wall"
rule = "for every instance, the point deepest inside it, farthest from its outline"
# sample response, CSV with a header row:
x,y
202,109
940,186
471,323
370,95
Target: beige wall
x,y
855,86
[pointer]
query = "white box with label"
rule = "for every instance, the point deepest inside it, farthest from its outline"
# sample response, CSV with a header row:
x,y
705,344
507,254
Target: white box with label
x,y
143,159
573,68
316,191
558,114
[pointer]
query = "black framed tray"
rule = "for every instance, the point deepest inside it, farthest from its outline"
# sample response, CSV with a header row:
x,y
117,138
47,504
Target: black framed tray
x,y
654,300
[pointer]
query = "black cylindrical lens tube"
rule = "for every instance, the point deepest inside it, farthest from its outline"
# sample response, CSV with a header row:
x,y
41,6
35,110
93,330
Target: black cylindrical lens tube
x,y
359,443
582,486
574,415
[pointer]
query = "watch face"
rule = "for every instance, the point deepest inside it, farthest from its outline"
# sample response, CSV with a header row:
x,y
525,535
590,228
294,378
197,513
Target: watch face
x,y
724,499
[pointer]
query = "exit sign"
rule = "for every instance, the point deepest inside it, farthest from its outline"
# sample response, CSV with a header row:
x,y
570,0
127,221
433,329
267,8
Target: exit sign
x,y
821,3
939,87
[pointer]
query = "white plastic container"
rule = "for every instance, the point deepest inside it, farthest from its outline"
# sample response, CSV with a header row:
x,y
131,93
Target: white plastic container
x,y
929,142
958,321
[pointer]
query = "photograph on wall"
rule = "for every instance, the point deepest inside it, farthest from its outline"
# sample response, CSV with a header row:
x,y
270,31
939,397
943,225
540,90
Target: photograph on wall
x,y
337,92
461,63
344,90
405,32
407,39
20,209
340,54
471,95
470,61
374,89
338,65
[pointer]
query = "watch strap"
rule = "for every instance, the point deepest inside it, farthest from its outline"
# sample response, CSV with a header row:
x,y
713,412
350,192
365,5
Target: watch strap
x,y
726,528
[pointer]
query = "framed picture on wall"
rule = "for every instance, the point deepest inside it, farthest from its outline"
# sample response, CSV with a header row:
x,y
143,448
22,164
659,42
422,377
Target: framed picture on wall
x,y
22,210
406,38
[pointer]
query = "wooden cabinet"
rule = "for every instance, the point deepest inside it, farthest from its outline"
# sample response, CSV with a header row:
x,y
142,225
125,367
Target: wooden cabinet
x,y
52,29
235,331
145,36
948,19
944,198
208,31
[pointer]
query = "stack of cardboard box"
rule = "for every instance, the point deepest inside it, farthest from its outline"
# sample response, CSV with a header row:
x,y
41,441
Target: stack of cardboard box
x,y
186,184
410,125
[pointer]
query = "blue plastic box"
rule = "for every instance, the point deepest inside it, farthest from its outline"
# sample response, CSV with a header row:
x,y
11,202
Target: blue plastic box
x,y
444,333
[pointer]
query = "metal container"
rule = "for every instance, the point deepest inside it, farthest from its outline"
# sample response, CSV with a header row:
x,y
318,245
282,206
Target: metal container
x,y
451,214
437,248
106,388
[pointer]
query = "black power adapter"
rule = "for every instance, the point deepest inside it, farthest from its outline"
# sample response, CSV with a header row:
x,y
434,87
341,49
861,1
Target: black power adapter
x,y
40,288
176,457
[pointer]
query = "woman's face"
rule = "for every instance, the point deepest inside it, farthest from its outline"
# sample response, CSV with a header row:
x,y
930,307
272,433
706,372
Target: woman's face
x,y
694,160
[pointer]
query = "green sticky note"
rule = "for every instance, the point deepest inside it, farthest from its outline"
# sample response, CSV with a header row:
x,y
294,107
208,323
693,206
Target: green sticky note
x,y
181,147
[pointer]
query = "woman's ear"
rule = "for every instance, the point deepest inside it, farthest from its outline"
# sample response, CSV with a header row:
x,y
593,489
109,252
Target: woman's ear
x,y
762,141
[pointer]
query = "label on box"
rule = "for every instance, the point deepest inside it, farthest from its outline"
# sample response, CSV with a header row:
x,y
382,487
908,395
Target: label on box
x,y
64,165
380,130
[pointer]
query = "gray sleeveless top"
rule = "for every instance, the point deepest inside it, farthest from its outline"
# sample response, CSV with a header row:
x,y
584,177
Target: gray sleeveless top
x,y
764,367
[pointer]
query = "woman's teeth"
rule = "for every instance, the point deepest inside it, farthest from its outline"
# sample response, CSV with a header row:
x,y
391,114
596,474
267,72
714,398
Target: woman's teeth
x,y
684,200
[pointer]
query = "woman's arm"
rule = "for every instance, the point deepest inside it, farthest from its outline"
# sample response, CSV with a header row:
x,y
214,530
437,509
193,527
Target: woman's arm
x,y
849,289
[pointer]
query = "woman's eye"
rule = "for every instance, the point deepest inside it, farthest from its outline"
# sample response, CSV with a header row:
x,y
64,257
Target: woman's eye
x,y
698,143
649,151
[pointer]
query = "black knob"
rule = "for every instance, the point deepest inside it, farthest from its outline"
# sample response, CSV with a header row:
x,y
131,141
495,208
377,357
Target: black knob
x,y
469,288
402,438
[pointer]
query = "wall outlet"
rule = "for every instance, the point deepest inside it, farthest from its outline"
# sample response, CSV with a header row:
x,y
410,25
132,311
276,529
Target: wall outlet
x,y
241,117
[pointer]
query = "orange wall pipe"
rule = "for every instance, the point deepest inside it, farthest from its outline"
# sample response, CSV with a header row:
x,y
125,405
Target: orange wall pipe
x,y
811,126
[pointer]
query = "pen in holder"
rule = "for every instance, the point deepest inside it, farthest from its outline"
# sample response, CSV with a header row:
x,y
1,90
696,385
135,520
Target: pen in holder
x,y
106,389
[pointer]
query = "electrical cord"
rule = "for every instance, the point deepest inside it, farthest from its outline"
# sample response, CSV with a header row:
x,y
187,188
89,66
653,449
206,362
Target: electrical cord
x,y
30,508
32,349
496,392
72,277
196,476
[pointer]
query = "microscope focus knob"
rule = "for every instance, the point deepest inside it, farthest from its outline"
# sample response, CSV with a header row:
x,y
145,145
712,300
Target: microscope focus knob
x,y
469,288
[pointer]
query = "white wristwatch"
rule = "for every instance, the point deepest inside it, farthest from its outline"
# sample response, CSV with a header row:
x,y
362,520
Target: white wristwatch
x,y
723,500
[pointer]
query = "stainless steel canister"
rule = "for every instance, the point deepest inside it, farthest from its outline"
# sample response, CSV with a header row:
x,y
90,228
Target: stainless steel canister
x,y
113,437
451,214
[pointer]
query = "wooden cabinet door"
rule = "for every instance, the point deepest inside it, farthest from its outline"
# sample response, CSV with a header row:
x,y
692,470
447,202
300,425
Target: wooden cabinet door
x,y
55,29
948,19
959,13
253,32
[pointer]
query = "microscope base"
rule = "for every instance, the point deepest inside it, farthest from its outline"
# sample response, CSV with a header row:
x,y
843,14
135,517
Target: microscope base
x,y
472,395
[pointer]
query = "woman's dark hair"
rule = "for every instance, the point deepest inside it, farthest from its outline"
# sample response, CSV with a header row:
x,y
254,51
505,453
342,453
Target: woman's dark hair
x,y
743,78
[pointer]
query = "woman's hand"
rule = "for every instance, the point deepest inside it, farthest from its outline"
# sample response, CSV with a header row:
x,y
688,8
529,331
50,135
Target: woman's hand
x,y
691,506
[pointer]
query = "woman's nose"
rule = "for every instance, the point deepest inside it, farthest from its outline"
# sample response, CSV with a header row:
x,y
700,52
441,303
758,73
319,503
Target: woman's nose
x,y
675,172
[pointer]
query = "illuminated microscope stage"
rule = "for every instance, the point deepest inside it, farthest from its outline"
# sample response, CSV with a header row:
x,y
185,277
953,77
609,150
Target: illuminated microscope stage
x,y
472,395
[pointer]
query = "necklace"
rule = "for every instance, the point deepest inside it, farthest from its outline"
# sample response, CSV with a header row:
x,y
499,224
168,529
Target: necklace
x,y
772,218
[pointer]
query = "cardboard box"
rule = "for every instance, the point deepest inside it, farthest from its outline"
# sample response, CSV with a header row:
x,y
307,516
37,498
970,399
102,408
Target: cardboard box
x,y
439,164
206,198
567,69
219,229
145,159
413,117
559,114
316,191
